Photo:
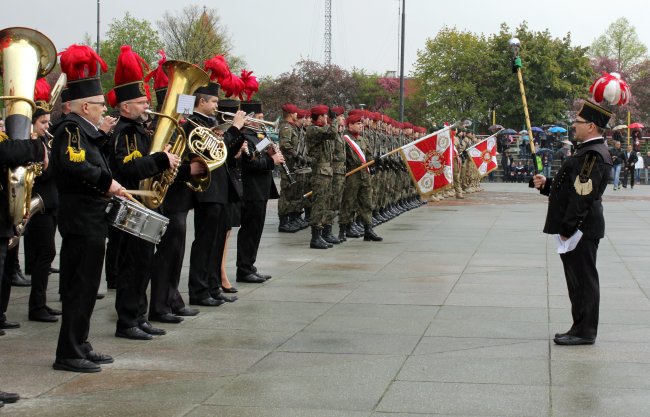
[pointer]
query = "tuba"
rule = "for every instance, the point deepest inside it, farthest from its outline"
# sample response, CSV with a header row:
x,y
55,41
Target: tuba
x,y
184,79
26,54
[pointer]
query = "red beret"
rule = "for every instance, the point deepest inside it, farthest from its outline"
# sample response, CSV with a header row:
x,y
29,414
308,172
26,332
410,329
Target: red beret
x,y
353,118
338,110
302,113
320,109
355,111
290,108
407,125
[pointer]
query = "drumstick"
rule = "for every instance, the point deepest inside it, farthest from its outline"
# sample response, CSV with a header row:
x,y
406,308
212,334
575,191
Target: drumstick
x,y
146,193
130,197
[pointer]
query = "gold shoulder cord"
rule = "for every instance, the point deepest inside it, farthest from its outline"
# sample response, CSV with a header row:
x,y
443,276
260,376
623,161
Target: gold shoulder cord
x,y
583,184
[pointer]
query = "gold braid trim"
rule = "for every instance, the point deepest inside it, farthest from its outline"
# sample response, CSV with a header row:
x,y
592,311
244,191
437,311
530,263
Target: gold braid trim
x,y
76,153
132,148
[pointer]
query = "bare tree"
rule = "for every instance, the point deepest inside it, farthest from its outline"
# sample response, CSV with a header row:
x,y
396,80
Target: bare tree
x,y
195,34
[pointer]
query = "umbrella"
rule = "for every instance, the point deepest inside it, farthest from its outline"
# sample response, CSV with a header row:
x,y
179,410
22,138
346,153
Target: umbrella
x,y
557,129
537,129
494,128
566,142
636,126
509,132
523,132
620,127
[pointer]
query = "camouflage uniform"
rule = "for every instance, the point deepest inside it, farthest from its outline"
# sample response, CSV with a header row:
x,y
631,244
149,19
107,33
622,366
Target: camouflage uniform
x,y
290,197
338,179
320,144
358,186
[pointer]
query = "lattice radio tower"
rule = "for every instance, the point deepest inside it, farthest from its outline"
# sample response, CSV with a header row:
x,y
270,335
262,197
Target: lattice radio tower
x,y
328,32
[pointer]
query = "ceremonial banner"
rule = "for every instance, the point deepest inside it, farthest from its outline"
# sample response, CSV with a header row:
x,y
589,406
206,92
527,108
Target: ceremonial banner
x,y
429,162
484,155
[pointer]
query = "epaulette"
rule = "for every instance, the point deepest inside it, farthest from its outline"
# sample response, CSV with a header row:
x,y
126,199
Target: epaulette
x,y
583,184
132,149
75,152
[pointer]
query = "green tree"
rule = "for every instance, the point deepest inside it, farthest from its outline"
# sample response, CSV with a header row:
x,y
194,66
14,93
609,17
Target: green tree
x,y
621,43
196,34
139,34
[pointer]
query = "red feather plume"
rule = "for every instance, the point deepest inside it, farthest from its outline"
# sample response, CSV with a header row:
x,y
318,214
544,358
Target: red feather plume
x,y
160,79
130,66
80,61
111,99
251,86
232,85
147,90
217,67
42,90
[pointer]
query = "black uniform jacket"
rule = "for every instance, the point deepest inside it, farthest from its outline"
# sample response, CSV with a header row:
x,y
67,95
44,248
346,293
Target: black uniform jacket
x,y
82,176
14,153
257,170
45,187
568,210
129,155
222,187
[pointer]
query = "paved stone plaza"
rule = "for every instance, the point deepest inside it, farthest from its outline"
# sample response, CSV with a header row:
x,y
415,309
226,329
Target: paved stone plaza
x,y
451,315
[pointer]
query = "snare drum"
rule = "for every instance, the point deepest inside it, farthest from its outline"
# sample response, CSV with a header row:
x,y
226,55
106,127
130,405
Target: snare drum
x,y
136,220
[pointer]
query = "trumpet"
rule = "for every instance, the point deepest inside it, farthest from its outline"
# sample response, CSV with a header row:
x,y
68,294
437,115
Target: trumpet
x,y
250,119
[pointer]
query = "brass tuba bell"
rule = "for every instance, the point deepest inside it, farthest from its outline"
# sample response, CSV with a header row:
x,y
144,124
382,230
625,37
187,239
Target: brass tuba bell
x,y
184,79
26,55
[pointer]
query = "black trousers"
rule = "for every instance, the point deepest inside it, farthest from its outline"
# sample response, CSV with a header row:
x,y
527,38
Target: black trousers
x,y
4,241
39,238
210,227
135,274
584,288
167,267
113,255
11,260
82,258
628,172
253,214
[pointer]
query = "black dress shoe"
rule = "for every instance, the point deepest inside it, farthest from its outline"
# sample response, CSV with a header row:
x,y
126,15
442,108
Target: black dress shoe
x,y
2,333
226,298
9,397
100,296
9,324
76,365
251,278
187,311
263,276
134,333
54,270
570,340
53,311
230,290
165,318
42,316
147,327
207,302
99,358
20,281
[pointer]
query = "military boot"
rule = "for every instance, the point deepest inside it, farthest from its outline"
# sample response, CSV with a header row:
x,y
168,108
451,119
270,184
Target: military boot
x,y
370,235
342,237
297,218
293,222
317,241
18,279
328,236
286,226
350,232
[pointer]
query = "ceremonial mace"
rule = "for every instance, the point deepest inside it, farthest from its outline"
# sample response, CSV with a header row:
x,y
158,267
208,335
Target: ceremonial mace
x,y
516,67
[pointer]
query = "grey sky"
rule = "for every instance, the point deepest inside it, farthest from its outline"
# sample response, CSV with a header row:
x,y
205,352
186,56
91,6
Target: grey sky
x,y
273,35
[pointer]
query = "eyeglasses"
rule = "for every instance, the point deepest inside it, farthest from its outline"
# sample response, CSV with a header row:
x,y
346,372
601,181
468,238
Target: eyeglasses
x,y
98,103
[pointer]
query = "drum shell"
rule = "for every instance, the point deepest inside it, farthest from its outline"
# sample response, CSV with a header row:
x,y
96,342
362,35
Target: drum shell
x,y
136,220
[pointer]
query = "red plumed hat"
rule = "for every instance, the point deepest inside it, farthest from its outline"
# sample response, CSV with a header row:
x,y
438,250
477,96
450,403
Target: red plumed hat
x,y
160,79
80,61
111,99
611,89
251,86
42,90
232,85
129,74
217,67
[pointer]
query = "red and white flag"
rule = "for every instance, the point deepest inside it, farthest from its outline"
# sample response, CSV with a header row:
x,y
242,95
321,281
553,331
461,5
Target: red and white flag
x,y
430,161
484,155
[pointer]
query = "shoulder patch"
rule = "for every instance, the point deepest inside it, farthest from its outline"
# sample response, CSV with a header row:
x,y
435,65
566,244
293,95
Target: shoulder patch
x,y
74,151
